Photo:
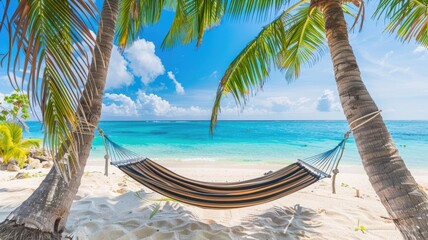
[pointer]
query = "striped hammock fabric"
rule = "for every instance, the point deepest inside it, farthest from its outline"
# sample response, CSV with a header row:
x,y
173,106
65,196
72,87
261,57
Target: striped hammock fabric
x,y
225,195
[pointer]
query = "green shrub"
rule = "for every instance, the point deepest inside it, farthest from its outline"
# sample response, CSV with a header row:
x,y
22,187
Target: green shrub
x,y
12,146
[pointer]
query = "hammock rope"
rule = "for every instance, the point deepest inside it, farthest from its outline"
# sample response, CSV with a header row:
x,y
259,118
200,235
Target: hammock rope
x,y
226,195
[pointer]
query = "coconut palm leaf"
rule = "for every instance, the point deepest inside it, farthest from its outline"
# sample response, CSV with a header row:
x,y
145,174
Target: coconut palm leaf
x,y
48,42
3,17
135,14
282,37
305,40
192,19
294,39
408,19
251,9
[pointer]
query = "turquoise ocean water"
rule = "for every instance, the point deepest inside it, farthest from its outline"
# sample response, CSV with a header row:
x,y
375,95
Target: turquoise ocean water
x,y
250,141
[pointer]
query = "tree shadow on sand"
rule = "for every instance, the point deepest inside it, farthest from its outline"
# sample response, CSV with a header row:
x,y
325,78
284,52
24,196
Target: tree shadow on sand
x,y
125,217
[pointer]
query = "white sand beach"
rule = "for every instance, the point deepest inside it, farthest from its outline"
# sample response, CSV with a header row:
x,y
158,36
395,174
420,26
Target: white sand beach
x,y
117,207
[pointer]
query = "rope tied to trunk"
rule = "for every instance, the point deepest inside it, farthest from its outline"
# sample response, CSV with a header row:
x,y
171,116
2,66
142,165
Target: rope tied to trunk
x,y
368,117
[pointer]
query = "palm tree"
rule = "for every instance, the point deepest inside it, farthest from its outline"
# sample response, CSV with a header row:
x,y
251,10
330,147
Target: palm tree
x,y
69,114
12,146
43,214
298,36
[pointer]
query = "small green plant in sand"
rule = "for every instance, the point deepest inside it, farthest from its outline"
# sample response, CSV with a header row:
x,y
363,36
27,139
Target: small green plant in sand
x,y
34,175
360,227
157,200
155,210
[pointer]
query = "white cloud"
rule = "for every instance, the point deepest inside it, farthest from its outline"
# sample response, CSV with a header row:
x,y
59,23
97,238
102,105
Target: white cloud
x,y
143,61
157,88
282,104
152,104
6,85
327,102
421,51
386,57
178,87
118,75
121,106
214,74
147,106
385,66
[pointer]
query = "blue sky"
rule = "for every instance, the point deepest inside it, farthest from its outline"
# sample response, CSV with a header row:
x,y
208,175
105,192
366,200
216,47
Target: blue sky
x,y
147,83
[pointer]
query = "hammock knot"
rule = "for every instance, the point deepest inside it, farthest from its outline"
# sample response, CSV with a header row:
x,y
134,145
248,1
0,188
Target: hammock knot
x,y
369,117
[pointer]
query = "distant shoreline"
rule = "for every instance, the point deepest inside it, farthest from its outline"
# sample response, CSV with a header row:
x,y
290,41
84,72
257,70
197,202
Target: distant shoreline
x,y
248,141
249,120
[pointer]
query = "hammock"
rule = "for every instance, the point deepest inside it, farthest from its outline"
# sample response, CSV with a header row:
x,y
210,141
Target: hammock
x,y
225,195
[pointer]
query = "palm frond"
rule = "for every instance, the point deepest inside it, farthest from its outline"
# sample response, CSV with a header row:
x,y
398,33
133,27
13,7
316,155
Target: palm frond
x,y
15,131
3,17
408,19
135,14
350,6
28,143
5,138
305,40
249,70
254,8
192,19
293,39
48,40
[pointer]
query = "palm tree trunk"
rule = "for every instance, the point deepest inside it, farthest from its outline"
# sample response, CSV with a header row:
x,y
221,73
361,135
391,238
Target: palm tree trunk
x,y
44,214
397,189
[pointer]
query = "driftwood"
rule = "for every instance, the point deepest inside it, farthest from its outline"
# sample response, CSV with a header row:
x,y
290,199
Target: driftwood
x,y
42,158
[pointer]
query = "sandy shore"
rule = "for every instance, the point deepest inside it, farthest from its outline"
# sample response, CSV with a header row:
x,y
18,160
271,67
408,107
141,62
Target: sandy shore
x,y
116,207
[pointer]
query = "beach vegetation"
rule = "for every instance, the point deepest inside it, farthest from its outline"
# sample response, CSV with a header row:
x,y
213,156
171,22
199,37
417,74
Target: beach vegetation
x,y
13,146
158,202
25,175
360,227
15,108
15,105
155,210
